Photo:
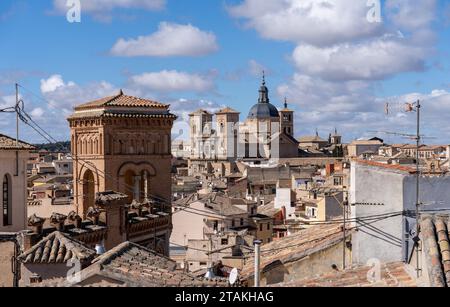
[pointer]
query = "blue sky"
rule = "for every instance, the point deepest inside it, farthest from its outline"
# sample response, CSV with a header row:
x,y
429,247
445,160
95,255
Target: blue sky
x,y
335,72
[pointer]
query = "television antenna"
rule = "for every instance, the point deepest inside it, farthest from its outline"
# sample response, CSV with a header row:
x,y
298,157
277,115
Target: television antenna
x,y
410,107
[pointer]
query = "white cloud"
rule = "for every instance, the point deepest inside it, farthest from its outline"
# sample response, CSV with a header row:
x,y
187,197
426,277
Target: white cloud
x,y
37,113
51,84
340,57
375,59
319,23
411,15
170,40
172,81
64,96
255,68
106,6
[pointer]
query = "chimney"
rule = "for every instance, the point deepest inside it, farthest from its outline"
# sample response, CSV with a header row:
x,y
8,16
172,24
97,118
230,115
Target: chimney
x,y
93,215
58,220
113,204
36,224
75,219
29,239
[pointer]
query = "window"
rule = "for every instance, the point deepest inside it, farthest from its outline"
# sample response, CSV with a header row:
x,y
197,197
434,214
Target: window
x,y
216,225
242,222
7,209
233,224
224,242
268,226
261,227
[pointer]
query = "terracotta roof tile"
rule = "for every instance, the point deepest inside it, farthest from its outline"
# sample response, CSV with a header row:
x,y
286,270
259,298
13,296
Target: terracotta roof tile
x,y
8,143
227,110
402,168
57,248
297,246
435,230
135,265
392,275
121,100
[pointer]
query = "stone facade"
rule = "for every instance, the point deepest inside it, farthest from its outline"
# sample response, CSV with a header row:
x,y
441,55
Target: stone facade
x,y
267,133
13,178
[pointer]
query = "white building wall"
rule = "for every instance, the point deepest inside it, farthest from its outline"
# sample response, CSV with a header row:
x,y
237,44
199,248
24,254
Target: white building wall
x,y
283,199
18,189
385,239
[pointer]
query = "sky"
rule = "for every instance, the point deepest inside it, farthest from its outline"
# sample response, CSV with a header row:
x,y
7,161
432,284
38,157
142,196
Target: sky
x,y
336,67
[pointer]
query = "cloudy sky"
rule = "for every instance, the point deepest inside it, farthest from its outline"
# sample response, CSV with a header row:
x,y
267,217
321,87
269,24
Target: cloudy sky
x,y
336,66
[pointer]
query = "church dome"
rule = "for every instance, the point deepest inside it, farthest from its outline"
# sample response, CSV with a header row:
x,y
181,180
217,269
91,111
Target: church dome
x,y
263,109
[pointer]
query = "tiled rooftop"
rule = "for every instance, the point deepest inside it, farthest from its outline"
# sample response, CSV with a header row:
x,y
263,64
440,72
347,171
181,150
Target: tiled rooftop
x,y
392,275
57,248
401,168
135,265
435,231
121,100
297,246
8,143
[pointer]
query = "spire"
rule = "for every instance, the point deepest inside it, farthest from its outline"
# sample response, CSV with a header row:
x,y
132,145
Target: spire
x,y
120,92
317,132
263,91
285,103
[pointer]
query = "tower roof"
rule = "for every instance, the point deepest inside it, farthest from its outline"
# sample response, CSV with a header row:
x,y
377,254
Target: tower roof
x,y
122,106
228,110
121,100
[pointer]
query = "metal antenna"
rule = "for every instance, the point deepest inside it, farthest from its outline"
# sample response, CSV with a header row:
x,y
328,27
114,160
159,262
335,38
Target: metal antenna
x,y
408,108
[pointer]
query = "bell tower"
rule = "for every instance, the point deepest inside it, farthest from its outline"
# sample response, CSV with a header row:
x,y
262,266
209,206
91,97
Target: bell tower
x,y
287,120
121,143
227,134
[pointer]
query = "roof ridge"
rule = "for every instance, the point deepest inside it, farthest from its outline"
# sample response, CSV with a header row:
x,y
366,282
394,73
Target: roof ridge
x,y
120,249
114,98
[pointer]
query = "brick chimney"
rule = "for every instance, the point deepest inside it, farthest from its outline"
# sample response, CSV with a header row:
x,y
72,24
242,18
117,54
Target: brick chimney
x,y
36,224
75,219
113,204
58,220
93,214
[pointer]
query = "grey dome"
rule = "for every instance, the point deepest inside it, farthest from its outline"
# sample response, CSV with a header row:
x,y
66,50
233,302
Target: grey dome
x,y
263,109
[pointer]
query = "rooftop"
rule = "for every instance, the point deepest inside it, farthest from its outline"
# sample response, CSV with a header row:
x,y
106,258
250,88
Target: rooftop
x,y
132,265
121,100
122,106
8,143
312,139
392,275
57,248
297,246
227,110
434,232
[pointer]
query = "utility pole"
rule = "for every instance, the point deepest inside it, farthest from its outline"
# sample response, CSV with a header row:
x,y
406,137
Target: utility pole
x,y
418,106
17,129
344,241
257,263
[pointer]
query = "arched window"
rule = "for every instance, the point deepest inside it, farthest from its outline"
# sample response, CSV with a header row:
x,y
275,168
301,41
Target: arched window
x,y
7,201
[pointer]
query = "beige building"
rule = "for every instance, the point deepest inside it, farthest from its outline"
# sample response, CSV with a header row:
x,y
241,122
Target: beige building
x,y
13,172
360,147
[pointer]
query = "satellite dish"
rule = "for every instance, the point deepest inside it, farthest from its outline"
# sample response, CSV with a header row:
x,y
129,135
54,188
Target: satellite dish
x,y
234,274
